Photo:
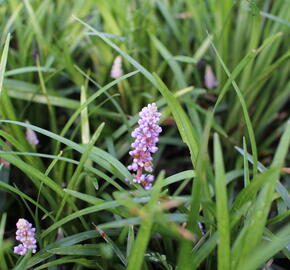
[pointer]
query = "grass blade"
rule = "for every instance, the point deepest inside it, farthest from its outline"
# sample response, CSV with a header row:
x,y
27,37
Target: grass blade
x,y
266,250
79,250
80,166
4,61
99,156
144,71
186,130
253,229
223,226
245,112
137,256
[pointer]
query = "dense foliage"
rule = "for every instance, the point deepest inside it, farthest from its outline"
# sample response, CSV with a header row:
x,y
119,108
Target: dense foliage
x,y
218,71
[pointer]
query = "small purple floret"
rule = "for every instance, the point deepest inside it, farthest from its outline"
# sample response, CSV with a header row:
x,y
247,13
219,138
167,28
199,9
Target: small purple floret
x,y
209,78
26,235
146,137
117,71
31,137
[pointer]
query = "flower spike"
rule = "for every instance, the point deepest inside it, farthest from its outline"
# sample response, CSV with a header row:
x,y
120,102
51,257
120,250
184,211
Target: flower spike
x,y
146,137
26,235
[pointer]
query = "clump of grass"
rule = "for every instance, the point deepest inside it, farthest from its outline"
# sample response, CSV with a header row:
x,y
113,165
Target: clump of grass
x,y
220,199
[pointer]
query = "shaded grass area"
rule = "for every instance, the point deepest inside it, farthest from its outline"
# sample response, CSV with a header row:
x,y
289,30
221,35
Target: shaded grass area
x,y
223,154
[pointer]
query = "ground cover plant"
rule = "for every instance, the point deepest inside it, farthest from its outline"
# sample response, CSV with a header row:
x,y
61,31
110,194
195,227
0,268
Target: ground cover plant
x,y
198,180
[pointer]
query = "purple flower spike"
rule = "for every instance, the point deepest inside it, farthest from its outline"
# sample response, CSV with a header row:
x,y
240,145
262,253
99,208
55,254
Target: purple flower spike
x,y
209,78
26,235
146,137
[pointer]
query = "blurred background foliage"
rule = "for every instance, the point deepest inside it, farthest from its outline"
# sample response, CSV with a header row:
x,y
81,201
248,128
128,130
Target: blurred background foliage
x,y
55,64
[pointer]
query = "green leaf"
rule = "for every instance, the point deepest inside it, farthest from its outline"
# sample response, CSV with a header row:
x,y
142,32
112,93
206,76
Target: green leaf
x,y
69,259
279,218
178,177
267,250
78,250
278,159
77,172
176,70
251,234
223,226
186,130
97,155
249,193
199,191
245,111
184,59
144,71
88,167
80,213
4,61
30,170
114,247
36,176
204,251
137,255
283,147
24,196
93,98
65,242
2,227
246,165
209,245
22,70
42,99
130,241
84,197
24,261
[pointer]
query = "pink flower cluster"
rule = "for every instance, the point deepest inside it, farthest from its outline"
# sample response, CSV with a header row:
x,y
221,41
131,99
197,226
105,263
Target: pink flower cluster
x,y
26,235
146,137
